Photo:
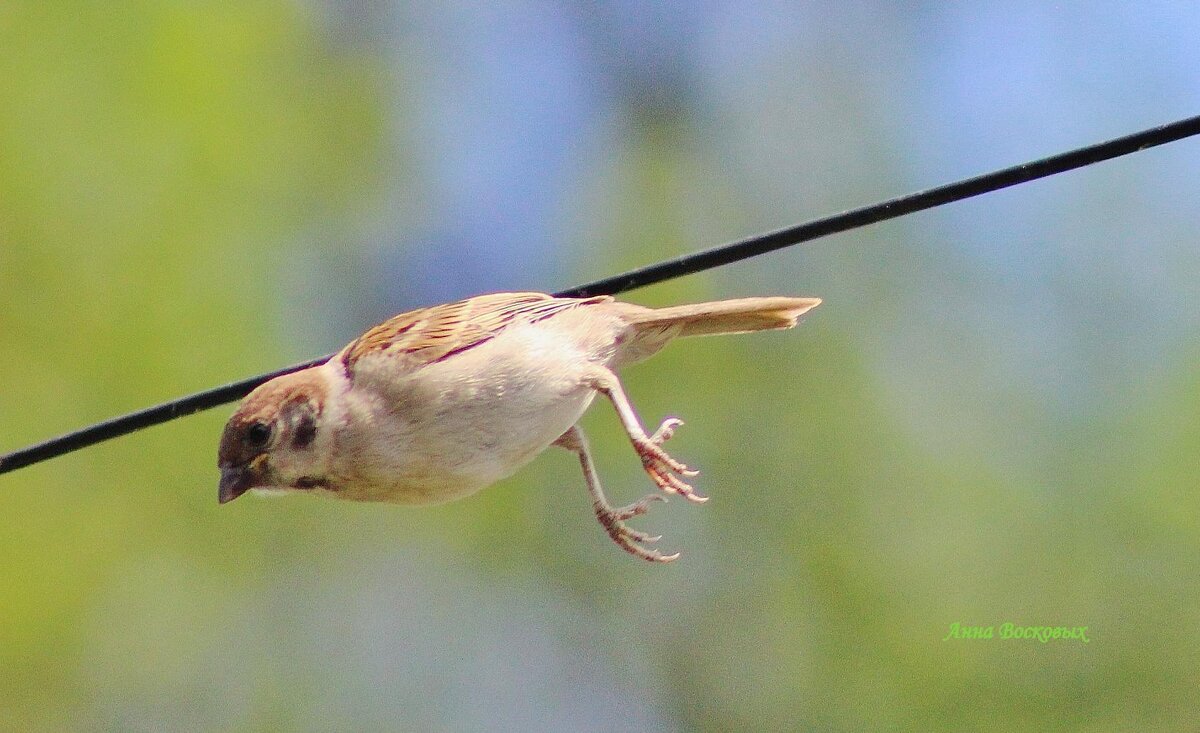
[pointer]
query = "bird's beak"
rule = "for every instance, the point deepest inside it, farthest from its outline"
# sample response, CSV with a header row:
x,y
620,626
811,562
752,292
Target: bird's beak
x,y
235,481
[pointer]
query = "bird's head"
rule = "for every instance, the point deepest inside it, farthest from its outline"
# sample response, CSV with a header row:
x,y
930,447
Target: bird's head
x,y
275,438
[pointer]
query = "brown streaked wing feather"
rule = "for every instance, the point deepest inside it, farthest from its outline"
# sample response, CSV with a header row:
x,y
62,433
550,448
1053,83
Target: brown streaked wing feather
x,y
427,335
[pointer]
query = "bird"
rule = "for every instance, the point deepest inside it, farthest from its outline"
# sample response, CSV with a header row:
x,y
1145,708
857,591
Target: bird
x,y
438,403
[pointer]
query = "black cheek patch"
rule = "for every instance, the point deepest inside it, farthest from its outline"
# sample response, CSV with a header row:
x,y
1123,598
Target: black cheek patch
x,y
306,431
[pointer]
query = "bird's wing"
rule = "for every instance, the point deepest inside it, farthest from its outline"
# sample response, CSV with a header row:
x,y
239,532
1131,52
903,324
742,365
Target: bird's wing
x,y
427,335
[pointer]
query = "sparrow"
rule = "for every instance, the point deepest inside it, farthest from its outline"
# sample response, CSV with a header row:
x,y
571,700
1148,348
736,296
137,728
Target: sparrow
x,y
438,403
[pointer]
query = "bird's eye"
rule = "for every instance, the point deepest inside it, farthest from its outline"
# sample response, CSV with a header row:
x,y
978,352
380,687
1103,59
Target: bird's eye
x,y
258,434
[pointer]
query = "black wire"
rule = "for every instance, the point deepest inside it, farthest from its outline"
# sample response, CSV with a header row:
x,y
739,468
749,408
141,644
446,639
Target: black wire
x,y
686,265
891,209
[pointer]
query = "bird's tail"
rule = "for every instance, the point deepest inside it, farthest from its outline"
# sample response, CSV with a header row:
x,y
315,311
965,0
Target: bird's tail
x,y
741,315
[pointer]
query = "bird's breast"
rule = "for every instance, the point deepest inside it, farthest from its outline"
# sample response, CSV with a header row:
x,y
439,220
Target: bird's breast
x,y
458,425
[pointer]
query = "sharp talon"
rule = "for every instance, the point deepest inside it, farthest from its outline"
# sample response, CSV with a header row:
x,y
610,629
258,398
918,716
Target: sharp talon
x,y
673,485
636,509
632,540
653,555
666,430
635,538
662,482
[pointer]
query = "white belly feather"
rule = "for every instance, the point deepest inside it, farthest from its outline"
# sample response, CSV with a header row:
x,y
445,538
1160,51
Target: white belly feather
x,y
453,432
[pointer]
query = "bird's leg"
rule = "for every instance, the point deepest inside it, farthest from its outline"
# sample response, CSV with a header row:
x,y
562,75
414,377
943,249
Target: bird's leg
x,y
661,467
613,520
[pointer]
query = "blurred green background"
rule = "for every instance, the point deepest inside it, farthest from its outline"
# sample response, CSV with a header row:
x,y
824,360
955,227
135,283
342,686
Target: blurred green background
x,y
992,419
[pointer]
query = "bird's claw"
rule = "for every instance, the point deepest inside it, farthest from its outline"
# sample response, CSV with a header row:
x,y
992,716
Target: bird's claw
x,y
631,540
636,509
666,430
662,468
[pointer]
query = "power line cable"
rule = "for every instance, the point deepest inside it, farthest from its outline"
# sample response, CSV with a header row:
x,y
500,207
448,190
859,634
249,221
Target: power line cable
x,y
686,265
